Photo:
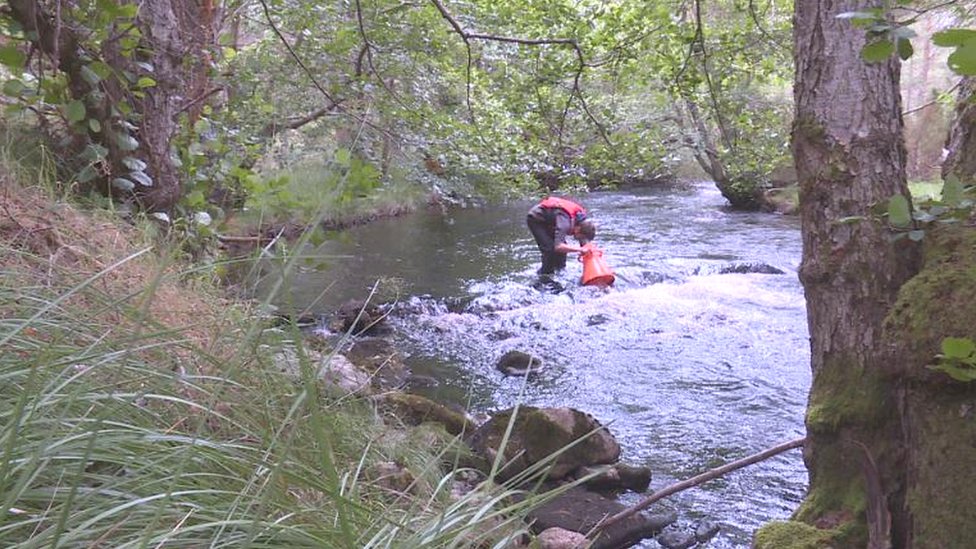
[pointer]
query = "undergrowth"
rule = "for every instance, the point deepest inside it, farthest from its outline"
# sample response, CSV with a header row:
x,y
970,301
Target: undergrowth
x,y
139,408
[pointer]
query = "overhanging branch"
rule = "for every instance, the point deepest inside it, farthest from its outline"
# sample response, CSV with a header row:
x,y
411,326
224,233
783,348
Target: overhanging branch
x,y
467,36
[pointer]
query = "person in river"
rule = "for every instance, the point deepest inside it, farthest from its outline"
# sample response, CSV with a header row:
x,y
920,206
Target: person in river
x,y
551,222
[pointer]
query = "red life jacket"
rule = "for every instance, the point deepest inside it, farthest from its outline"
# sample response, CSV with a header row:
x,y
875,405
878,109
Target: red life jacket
x,y
576,212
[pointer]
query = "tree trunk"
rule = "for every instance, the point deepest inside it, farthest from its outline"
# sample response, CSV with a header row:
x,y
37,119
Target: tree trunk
x,y
175,37
850,156
961,144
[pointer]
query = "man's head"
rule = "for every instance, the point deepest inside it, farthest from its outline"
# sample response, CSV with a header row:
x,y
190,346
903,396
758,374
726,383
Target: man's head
x,y
584,231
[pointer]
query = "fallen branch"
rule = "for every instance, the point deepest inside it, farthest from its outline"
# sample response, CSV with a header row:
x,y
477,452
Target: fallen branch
x,y
695,481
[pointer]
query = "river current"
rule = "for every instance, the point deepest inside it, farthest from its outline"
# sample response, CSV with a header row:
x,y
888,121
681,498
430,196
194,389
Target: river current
x,y
691,364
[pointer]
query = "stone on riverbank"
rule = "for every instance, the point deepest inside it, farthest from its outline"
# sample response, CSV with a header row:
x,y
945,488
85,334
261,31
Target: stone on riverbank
x,y
415,409
379,358
518,363
579,510
538,433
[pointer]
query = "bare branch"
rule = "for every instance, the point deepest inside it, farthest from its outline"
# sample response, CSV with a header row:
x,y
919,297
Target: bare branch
x,y
695,481
467,36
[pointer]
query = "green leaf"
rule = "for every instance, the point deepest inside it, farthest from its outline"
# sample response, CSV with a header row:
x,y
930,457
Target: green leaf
x,y
953,37
93,152
94,125
343,157
75,111
90,76
12,57
957,373
145,82
905,49
86,174
134,164
877,51
958,347
14,87
126,142
141,178
952,191
899,211
963,60
123,184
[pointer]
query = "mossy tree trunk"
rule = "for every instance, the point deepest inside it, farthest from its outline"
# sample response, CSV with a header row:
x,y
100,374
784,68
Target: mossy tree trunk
x,y
850,157
160,63
961,144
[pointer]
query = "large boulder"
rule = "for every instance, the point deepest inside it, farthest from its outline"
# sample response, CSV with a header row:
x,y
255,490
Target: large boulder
x,y
579,510
538,434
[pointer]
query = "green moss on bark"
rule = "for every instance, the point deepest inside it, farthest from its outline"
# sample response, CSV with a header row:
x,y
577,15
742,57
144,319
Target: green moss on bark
x,y
940,414
843,395
792,535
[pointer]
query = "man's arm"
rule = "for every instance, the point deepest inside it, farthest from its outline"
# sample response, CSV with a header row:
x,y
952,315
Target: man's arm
x,y
563,227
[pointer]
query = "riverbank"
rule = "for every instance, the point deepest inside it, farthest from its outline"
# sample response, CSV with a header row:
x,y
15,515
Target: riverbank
x,y
143,406
146,406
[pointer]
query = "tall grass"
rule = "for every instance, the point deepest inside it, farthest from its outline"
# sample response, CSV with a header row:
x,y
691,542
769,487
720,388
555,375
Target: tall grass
x,y
120,432
126,423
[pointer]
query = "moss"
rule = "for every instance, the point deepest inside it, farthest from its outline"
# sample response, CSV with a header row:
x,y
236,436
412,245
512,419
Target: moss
x,y
792,535
942,493
938,302
843,395
415,409
941,418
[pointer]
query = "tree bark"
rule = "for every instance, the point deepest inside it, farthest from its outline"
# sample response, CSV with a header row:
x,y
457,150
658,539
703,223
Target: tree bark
x,y
850,157
961,143
175,40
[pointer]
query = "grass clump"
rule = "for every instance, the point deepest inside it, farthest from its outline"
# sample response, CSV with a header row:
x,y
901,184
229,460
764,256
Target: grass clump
x,y
138,408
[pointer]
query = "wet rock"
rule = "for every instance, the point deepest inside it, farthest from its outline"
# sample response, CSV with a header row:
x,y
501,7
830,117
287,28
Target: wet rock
x,y
560,538
377,357
500,335
597,319
750,267
677,540
650,277
332,368
538,433
620,476
357,316
517,363
415,409
579,510
457,304
706,531
343,374
416,380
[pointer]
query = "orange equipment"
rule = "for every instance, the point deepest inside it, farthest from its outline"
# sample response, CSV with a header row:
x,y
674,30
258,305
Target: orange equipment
x,y
595,269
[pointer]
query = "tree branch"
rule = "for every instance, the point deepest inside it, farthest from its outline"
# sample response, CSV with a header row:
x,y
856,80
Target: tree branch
x,y
334,103
467,36
695,481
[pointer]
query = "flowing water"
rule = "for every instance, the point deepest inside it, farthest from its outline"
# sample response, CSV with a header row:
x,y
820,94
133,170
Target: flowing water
x,y
691,368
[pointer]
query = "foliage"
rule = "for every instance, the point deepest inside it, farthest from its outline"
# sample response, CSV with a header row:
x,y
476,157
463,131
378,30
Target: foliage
x,y
889,33
958,359
955,205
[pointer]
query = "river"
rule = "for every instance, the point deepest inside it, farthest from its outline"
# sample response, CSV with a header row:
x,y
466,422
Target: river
x,y
692,368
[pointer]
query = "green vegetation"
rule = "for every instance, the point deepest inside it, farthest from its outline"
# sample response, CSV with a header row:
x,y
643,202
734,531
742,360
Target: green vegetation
x,y
141,408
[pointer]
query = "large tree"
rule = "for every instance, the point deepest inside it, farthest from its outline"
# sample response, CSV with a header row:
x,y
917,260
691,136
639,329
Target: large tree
x,y
889,439
131,71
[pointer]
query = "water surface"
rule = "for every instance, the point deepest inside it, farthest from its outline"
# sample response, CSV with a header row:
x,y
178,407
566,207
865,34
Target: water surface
x,y
692,368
